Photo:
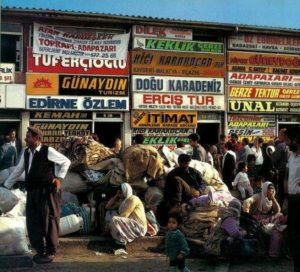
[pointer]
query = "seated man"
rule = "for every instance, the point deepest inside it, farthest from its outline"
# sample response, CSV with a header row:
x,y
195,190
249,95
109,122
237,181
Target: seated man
x,y
182,184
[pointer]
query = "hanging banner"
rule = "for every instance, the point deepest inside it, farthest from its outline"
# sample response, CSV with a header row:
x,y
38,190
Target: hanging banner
x,y
268,60
91,45
169,101
45,63
252,126
264,93
177,64
54,133
263,106
252,79
156,119
262,69
93,85
77,103
265,43
7,72
178,46
177,84
162,32
41,84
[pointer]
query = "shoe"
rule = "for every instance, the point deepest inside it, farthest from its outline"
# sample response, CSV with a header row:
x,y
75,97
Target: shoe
x,y
44,259
37,256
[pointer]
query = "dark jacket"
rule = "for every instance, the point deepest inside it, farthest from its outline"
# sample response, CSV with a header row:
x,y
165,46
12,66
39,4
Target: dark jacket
x,y
228,167
41,171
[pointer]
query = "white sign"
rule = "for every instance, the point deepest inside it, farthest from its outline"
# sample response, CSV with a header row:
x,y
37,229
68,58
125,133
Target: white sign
x,y
12,96
162,32
256,79
266,43
178,84
77,103
7,72
94,45
171,101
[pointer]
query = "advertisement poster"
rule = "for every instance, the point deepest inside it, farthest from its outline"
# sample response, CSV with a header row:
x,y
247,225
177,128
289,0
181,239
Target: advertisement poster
x,y
7,72
261,59
170,101
48,40
55,132
177,64
162,32
263,69
263,106
46,63
252,126
41,84
263,93
81,103
93,85
179,46
177,84
267,43
273,80
169,119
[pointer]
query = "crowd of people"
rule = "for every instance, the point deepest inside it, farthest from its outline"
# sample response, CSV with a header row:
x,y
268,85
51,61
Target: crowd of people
x,y
261,178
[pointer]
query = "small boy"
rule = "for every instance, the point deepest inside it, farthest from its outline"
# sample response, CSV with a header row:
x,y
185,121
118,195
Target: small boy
x,y
176,245
258,183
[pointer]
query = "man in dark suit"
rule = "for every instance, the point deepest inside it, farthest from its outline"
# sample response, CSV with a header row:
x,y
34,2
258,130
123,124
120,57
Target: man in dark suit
x,y
16,143
227,165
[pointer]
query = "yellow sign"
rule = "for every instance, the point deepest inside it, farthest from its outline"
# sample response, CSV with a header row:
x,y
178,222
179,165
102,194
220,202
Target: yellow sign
x,y
157,119
41,84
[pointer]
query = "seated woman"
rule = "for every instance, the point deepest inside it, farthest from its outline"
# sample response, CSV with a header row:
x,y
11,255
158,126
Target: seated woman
x,y
131,222
265,208
228,239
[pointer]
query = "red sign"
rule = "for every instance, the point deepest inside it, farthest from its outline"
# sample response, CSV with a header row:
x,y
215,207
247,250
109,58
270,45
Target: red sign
x,y
41,63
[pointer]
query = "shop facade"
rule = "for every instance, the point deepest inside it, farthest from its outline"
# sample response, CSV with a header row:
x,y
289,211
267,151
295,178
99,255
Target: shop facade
x,y
173,82
263,85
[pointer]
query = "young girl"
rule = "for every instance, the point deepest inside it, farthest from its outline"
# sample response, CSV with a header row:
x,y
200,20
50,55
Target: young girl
x,y
176,245
242,182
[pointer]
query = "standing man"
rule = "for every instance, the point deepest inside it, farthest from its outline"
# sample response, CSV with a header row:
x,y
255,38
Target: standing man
x,y
199,152
16,143
43,193
227,165
279,160
292,187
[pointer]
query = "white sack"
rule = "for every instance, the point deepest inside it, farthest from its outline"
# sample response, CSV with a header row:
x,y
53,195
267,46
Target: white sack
x,y
13,239
7,200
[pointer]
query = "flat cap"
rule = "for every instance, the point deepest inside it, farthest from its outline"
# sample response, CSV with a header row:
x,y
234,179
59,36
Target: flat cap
x,y
36,131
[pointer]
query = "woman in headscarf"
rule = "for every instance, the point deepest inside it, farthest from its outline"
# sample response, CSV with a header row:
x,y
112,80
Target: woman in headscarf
x,y
227,239
131,222
265,208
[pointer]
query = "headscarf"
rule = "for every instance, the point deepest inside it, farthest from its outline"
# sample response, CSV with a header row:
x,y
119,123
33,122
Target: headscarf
x,y
127,192
265,204
233,209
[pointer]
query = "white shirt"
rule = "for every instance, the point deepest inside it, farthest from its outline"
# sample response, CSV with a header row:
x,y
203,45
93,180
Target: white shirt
x,y
294,174
53,155
258,155
241,179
